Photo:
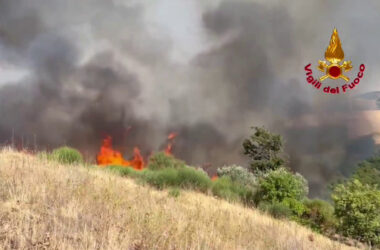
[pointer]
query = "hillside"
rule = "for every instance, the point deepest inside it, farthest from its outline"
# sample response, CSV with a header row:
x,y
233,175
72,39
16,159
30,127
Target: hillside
x,y
47,205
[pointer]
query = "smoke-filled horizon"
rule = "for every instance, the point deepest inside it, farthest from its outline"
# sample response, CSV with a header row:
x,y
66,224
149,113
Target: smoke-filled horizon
x,y
138,71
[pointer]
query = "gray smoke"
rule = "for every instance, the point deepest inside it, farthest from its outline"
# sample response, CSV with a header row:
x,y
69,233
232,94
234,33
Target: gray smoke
x,y
252,71
96,68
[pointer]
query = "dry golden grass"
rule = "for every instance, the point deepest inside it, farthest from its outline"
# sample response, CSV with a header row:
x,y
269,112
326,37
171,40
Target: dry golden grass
x,y
44,205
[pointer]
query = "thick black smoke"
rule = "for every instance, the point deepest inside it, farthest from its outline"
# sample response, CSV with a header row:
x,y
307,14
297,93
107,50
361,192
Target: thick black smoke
x,y
95,69
64,101
264,42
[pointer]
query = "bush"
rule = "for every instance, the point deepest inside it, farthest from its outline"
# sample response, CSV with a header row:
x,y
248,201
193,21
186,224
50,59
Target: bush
x,y
229,190
161,160
288,208
281,184
297,207
357,207
186,177
124,171
276,209
319,215
239,175
67,155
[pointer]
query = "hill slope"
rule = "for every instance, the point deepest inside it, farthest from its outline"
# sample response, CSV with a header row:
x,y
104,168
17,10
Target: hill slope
x,y
44,204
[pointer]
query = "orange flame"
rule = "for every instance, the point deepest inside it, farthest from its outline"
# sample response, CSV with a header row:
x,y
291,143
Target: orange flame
x,y
172,135
138,161
214,178
109,156
169,147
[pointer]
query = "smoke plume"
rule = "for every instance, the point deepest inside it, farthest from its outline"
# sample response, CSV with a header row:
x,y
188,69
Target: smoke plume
x,y
99,68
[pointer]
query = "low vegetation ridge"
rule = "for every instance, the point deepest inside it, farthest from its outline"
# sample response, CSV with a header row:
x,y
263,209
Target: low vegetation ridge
x,y
46,204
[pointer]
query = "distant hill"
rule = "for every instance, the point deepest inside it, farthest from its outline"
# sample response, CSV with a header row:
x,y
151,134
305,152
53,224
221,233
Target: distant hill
x,y
370,95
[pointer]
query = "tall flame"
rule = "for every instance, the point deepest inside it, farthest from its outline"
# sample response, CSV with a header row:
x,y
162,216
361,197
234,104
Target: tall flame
x,y
169,147
172,135
108,156
334,52
138,161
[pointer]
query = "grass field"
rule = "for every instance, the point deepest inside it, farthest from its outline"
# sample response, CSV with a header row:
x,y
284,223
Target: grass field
x,y
45,205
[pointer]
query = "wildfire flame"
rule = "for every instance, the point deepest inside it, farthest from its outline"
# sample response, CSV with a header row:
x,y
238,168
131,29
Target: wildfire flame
x,y
169,147
108,156
172,135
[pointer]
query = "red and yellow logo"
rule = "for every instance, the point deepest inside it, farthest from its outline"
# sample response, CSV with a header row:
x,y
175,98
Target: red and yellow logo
x,y
334,69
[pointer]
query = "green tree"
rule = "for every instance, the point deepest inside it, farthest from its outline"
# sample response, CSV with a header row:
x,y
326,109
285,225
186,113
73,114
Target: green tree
x,y
357,207
264,149
368,172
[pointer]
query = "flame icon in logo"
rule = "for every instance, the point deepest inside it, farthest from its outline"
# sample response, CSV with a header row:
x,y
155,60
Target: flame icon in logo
x,y
334,54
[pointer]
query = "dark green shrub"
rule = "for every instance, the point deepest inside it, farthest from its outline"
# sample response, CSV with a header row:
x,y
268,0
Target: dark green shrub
x,y
67,155
276,209
264,149
161,160
281,184
319,215
186,177
238,174
357,208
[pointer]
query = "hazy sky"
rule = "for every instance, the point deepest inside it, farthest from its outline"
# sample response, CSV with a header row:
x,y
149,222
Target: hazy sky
x,y
181,21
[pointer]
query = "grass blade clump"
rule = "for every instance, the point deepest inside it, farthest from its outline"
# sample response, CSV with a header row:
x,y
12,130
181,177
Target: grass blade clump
x,y
67,155
174,192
